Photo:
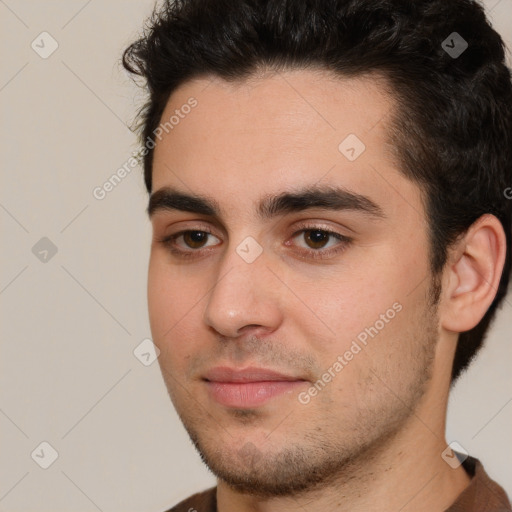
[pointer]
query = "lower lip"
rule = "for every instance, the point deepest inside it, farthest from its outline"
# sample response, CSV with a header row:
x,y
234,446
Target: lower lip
x,y
249,394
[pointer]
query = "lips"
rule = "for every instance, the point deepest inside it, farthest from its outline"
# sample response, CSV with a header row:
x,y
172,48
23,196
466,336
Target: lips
x,y
250,374
249,387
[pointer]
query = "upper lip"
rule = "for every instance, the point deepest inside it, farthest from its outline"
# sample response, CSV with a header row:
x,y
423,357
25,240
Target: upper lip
x,y
250,374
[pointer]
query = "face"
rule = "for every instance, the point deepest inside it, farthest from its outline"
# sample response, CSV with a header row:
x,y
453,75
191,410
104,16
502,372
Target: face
x,y
289,277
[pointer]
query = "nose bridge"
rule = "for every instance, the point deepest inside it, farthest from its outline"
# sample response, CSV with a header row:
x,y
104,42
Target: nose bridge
x,y
244,293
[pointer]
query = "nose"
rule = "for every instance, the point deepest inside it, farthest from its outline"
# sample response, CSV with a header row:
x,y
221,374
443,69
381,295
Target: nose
x,y
244,296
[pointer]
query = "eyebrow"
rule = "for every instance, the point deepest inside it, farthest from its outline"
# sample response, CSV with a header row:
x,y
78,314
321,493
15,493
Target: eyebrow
x,y
270,206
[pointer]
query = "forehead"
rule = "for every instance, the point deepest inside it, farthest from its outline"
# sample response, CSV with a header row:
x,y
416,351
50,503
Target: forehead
x,y
261,135
297,107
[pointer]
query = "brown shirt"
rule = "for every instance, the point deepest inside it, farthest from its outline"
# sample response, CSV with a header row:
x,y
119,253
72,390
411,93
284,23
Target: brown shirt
x,y
481,495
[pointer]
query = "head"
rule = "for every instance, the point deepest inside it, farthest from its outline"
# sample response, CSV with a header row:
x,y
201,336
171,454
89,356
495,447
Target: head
x,y
354,117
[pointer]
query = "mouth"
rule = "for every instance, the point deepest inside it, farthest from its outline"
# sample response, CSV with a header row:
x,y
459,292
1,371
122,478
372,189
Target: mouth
x,y
248,387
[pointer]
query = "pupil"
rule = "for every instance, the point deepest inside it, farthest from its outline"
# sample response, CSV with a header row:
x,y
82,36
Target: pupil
x,y
197,236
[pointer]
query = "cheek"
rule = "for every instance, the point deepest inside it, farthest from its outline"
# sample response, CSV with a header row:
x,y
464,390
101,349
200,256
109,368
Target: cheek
x,y
174,298
362,314
172,320
346,303
160,300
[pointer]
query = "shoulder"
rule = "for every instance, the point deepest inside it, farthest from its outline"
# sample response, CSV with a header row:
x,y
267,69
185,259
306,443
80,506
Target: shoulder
x,y
482,493
204,501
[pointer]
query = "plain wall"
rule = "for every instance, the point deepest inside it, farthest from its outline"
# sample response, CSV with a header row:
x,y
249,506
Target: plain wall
x,y
69,325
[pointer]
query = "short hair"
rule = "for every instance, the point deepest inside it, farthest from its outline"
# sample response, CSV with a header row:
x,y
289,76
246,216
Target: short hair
x,y
452,132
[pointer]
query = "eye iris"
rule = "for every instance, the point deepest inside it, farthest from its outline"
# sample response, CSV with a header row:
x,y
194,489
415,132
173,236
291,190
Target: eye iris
x,y
317,238
194,239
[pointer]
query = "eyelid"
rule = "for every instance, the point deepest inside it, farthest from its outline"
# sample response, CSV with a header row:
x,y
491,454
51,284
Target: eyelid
x,y
342,224
168,240
185,229
312,225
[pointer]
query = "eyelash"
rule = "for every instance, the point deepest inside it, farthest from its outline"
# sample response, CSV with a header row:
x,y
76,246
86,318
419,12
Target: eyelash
x,y
315,254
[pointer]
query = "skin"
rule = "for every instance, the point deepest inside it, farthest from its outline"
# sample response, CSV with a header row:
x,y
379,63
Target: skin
x,y
372,438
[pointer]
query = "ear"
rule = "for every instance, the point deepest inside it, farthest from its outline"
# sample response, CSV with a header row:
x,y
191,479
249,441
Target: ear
x,y
472,274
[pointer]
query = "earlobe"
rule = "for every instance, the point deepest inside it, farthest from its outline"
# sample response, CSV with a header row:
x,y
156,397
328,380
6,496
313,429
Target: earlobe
x,y
474,274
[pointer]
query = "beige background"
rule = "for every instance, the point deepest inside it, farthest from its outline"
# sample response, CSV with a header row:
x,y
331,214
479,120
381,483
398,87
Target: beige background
x,y
69,325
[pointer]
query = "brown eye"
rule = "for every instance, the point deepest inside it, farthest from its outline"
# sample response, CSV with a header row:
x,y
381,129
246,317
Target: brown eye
x,y
190,242
318,243
316,238
195,239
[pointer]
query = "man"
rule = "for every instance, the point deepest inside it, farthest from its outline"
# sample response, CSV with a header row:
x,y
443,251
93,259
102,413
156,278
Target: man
x,y
331,239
